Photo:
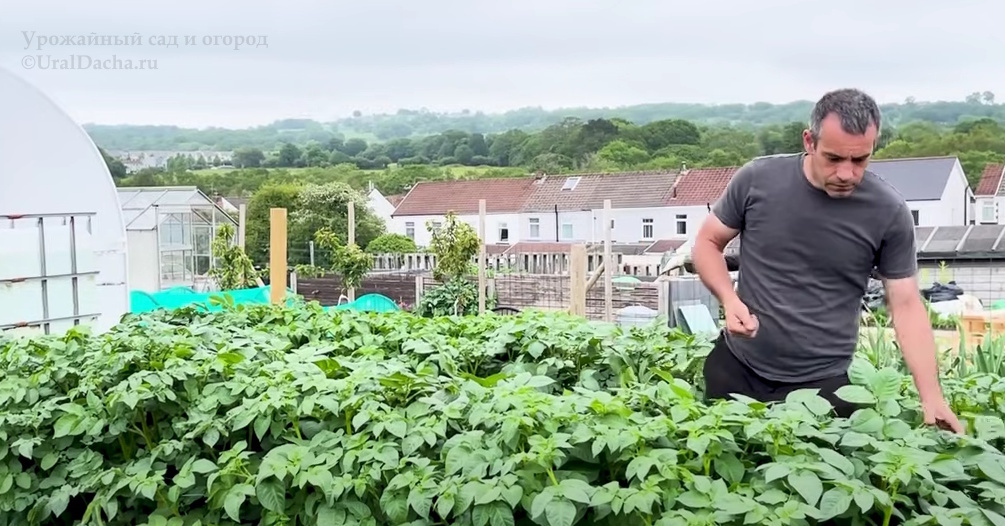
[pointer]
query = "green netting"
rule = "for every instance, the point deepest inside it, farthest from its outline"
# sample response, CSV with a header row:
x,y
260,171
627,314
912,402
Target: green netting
x,y
182,297
369,303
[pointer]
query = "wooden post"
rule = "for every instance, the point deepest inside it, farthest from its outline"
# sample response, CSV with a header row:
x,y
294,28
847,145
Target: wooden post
x,y
608,265
242,220
577,280
481,256
277,255
352,240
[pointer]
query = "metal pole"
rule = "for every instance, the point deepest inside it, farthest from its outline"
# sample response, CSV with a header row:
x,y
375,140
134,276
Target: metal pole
x,y
157,227
73,270
45,281
212,235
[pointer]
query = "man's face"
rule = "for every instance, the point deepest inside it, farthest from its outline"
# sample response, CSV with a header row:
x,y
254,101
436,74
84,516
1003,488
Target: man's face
x,y
838,160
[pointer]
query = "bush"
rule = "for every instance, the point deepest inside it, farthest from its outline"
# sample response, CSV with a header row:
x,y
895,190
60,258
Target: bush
x,y
262,415
392,244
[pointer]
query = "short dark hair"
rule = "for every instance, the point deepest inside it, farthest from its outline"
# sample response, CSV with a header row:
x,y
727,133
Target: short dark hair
x,y
856,109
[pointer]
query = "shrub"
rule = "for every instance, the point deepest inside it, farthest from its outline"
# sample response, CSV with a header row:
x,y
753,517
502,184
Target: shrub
x,y
267,415
392,244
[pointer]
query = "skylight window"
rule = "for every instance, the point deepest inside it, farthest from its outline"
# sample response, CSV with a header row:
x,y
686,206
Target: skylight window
x,y
570,183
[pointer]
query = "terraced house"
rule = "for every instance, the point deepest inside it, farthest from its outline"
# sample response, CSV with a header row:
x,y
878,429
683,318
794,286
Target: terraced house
x,y
990,196
653,211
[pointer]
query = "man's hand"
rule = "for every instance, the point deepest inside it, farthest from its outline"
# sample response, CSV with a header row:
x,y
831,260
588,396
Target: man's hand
x,y
739,320
917,343
938,413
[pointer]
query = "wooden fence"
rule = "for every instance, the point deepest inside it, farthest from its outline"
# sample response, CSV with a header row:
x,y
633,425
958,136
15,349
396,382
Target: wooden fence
x,y
520,291
326,290
518,262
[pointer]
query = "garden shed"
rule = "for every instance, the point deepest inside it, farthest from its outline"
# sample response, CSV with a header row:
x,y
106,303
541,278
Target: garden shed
x,y
62,240
170,231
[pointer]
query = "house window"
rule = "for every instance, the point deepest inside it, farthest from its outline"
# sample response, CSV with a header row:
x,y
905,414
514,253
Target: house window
x,y
410,230
503,233
988,214
914,214
647,228
566,230
681,224
535,228
436,226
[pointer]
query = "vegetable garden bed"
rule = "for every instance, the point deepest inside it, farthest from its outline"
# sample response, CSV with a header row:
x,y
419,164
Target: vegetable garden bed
x,y
295,416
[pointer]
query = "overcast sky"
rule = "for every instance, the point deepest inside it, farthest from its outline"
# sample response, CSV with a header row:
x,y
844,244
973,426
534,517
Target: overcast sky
x,y
326,58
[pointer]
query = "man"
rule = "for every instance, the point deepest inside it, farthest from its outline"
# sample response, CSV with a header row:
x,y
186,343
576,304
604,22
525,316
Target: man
x,y
815,225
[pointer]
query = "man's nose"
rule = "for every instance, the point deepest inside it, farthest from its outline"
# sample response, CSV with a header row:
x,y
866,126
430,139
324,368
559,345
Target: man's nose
x,y
845,174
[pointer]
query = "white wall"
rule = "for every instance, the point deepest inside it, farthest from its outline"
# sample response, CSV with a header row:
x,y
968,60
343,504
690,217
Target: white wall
x,y
932,213
572,227
49,165
381,207
493,226
997,212
143,266
953,208
669,222
578,226
587,225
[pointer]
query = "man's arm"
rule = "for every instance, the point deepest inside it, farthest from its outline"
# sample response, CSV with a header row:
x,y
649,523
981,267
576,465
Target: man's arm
x,y
719,228
898,265
913,328
708,259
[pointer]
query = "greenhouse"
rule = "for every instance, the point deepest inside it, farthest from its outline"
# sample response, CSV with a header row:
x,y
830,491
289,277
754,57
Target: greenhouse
x,y
170,232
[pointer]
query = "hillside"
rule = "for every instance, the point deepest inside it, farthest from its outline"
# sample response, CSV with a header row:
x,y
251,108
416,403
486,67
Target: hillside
x,y
419,123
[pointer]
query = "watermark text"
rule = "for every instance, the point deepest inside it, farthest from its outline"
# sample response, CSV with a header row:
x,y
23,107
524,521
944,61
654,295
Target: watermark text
x,y
236,42
85,62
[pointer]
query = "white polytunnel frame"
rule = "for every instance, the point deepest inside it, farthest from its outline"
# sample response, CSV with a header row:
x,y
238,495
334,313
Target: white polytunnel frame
x,y
63,257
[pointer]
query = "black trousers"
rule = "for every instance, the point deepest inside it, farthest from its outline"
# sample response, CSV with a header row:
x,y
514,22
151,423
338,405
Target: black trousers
x,y
725,374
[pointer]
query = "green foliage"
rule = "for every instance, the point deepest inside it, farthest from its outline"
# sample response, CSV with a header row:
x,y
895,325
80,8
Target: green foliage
x,y
233,268
456,297
392,244
601,142
347,261
454,243
310,208
268,415
256,230
395,128
326,207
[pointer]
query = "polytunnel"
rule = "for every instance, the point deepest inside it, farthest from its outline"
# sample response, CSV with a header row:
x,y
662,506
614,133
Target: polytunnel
x,y
63,259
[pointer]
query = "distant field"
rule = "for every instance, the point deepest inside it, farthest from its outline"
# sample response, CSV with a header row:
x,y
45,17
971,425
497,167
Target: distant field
x,y
454,170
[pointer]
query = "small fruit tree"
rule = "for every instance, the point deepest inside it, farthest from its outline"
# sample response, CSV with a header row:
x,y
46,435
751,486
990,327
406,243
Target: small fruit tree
x,y
232,268
348,262
455,245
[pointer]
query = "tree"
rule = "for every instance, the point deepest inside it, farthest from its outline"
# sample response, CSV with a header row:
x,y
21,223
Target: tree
x,y
247,158
347,261
325,206
455,243
232,268
266,198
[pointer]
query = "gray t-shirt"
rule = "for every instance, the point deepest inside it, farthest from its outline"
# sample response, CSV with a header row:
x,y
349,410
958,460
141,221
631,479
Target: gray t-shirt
x,y
805,262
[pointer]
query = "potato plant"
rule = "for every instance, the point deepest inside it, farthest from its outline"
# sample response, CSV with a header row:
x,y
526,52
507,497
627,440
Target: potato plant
x,y
295,416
